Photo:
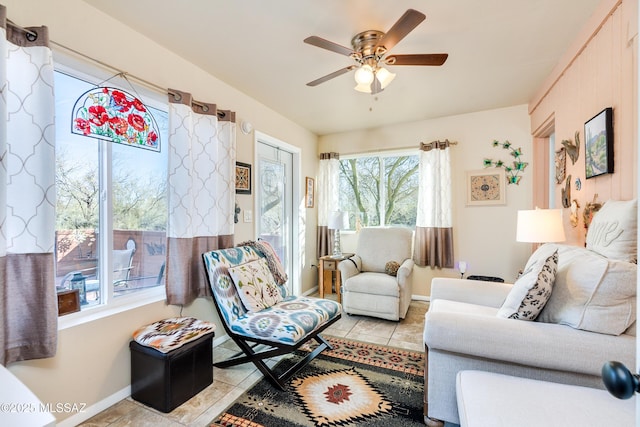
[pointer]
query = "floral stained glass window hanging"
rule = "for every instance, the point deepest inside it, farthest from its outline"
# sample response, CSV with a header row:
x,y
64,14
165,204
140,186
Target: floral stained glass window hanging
x,y
115,115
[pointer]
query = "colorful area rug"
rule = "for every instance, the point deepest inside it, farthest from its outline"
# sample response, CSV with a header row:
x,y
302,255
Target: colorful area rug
x,y
354,384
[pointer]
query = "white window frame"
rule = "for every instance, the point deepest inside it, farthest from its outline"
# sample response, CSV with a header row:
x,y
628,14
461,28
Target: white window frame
x,y
82,69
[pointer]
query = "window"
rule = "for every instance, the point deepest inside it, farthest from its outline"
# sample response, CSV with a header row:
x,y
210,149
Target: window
x,y
111,203
379,189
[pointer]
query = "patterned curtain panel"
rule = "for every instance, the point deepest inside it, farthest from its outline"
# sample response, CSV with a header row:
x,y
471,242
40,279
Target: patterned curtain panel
x,y
202,153
327,196
29,311
434,232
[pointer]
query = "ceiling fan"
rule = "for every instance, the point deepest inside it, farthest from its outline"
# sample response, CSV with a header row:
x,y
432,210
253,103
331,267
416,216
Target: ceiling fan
x,y
370,49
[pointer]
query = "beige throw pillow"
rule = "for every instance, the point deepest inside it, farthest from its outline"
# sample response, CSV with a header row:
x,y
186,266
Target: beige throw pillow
x,y
613,231
592,292
255,284
531,291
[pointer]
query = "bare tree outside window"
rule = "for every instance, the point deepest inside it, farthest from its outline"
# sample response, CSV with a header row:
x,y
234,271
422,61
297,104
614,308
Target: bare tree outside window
x,y
379,190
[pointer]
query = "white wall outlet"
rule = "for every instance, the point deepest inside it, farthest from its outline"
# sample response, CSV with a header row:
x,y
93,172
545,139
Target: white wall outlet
x,y
248,215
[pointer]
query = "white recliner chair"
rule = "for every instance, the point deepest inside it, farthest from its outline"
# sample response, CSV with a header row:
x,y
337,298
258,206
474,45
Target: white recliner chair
x,y
366,288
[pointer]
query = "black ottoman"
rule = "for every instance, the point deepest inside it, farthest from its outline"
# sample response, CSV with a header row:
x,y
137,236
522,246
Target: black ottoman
x,y
164,381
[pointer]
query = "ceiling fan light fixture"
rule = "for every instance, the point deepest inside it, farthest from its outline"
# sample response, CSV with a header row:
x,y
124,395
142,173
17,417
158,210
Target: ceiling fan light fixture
x,y
363,87
364,75
384,76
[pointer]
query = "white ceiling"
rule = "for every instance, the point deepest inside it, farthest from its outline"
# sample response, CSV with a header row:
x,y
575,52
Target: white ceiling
x,y
500,51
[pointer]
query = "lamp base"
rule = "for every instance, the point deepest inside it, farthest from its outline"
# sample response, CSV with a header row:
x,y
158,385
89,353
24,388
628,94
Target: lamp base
x,y
337,252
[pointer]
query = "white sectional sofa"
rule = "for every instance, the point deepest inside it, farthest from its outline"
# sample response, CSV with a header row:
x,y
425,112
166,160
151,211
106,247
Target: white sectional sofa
x,y
589,319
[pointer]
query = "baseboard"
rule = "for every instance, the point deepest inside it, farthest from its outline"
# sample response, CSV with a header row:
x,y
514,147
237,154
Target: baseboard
x,y
311,291
95,409
420,298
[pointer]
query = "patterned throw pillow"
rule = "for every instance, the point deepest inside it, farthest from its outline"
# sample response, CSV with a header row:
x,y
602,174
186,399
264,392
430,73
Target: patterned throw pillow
x,y
391,268
255,284
169,334
531,291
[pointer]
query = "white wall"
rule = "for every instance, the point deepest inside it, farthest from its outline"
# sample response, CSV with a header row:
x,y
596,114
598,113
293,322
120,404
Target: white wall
x,y
92,361
484,236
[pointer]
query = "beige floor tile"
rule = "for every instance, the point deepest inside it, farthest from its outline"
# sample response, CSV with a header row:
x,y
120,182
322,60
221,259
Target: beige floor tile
x,y
408,333
340,333
144,417
197,405
222,353
218,407
233,375
111,414
346,323
375,328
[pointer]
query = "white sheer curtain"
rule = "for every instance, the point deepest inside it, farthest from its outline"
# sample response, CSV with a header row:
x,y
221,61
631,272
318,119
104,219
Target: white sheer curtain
x,y
433,244
202,153
327,198
29,311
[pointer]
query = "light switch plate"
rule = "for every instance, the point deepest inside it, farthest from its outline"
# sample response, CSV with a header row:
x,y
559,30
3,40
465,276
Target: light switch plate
x,y
248,215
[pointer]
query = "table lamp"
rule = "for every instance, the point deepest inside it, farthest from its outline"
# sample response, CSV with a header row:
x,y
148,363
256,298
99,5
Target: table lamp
x,y
338,220
540,226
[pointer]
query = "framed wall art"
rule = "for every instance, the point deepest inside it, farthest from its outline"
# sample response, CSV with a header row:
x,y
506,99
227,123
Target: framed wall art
x,y
243,178
598,145
486,187
309,192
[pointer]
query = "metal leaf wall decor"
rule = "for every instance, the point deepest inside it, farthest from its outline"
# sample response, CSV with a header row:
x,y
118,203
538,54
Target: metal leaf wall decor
x,y
512,170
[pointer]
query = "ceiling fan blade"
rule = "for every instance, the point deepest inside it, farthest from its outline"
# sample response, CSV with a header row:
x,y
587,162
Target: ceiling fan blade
x,y
403,26
418,59
316,82
326,44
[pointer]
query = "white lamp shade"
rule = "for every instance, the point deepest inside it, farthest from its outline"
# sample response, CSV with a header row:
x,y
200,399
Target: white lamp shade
x,y
540,226
384,77
338,220
363,87
364,75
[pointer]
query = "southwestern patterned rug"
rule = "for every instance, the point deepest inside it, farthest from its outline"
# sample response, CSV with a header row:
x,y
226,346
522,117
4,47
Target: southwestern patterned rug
x,y
354,384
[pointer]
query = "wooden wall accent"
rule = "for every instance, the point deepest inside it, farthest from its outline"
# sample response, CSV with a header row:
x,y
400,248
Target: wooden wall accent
x,y
599,71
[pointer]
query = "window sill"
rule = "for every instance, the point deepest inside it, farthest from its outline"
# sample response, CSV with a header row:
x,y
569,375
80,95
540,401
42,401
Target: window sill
x,y
118,305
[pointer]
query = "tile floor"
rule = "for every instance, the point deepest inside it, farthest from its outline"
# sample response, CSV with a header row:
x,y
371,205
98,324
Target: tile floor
x,y
229,384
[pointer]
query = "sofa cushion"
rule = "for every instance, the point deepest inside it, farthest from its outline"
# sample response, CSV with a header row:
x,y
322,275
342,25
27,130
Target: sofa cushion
x,y
373,283
255,283
613,231
531,291
591,292
523,402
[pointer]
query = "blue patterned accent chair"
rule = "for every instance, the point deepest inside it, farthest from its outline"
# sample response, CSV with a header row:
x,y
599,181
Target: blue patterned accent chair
x,y
283,327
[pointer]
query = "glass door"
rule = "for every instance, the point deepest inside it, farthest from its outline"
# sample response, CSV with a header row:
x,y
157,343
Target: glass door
x,y
274,202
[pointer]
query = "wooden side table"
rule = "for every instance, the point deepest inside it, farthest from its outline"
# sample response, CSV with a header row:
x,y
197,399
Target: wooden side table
x,y
328,272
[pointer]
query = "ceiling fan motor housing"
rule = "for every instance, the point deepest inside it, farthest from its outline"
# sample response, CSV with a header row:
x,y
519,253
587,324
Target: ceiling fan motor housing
x,y
364,45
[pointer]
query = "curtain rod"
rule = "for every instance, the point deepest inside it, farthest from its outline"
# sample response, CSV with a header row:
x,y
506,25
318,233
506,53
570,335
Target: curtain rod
x,y
426,146
125,73
446,141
